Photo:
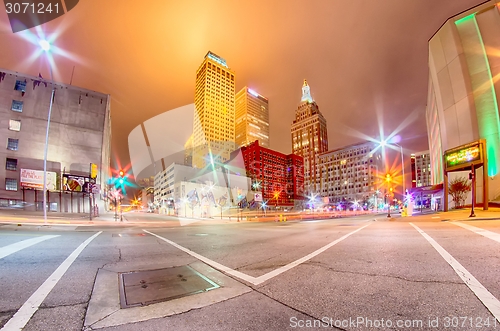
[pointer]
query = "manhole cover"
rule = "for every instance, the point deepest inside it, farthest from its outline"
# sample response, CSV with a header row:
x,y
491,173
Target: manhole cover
x,y
141,288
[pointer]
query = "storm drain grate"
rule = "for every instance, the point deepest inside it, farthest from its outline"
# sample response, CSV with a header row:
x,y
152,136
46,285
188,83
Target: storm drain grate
x,y
141,288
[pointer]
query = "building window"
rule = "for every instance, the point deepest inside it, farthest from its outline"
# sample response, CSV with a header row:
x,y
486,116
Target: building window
x,y
15,125
20,86
12,144
17,106
11,164
10,184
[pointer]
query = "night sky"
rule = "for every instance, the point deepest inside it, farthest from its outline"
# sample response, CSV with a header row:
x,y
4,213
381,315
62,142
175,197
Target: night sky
x,y
365,61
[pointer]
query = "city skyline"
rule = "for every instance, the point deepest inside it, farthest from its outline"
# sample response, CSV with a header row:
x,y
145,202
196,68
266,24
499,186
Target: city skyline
x,y
381,77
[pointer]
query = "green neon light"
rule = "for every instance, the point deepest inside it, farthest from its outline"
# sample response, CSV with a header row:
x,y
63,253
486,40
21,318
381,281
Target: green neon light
x,y
492,145
466,18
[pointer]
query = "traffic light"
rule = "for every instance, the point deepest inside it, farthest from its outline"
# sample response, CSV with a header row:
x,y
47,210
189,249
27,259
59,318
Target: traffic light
x,y
122,174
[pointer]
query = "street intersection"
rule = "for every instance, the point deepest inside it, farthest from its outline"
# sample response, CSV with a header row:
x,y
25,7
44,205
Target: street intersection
x,y
367,272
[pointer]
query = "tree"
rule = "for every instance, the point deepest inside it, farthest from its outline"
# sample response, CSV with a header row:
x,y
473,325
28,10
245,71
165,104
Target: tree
x,y
458,189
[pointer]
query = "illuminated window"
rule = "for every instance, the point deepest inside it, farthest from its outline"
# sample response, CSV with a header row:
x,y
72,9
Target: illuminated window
x,y
15,125
10,184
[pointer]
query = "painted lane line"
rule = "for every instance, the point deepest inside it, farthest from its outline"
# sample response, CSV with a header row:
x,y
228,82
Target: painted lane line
x,y
295,263
24,314
212,263
10,249
488,234
488,299
263,278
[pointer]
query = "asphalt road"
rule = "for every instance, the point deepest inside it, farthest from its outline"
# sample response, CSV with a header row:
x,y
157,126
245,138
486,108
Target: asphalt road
x,y
360,273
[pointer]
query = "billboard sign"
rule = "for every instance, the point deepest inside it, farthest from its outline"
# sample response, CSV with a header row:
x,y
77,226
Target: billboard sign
x,y
73,183
34,179
464,156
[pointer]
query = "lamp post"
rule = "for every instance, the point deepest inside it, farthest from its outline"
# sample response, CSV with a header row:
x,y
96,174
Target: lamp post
x,y
389,142
388,179
402,167
472,176
45,45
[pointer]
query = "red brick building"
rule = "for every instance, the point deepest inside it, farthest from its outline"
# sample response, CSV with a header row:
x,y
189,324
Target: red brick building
x,y
279,177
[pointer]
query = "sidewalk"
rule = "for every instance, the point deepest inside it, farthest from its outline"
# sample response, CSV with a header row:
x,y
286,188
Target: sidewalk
x,y
493,213
19,216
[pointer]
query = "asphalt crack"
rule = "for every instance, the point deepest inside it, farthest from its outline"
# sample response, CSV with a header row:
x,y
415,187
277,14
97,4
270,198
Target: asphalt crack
x,y
65,305
381,275
254,263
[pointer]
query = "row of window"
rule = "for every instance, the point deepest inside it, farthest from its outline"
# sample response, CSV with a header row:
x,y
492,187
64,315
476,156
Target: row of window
x,y
11,164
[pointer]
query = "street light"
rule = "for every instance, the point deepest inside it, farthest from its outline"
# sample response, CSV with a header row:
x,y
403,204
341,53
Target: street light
x,y
389,202
391,141
402,167
45,45
312,200
388,179
376,200
276,196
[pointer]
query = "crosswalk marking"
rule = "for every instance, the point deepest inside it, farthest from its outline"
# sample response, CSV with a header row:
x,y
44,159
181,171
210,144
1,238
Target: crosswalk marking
x,y
10,249
488,299
263,278
488,234
24,314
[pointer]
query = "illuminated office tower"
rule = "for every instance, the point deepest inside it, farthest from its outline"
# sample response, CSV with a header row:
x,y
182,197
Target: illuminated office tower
x,y
421,169
213,125
349,173
252,118
309,138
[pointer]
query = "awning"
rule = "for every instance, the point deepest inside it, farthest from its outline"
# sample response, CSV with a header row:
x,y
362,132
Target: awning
x,y
431,189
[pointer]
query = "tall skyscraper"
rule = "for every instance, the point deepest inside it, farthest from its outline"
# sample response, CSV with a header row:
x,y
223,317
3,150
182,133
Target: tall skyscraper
x,y
252,118
309,138
213,127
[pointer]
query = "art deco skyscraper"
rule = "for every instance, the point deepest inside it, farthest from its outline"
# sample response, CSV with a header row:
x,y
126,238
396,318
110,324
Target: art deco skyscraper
x,y
213,127
252,118
309,138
